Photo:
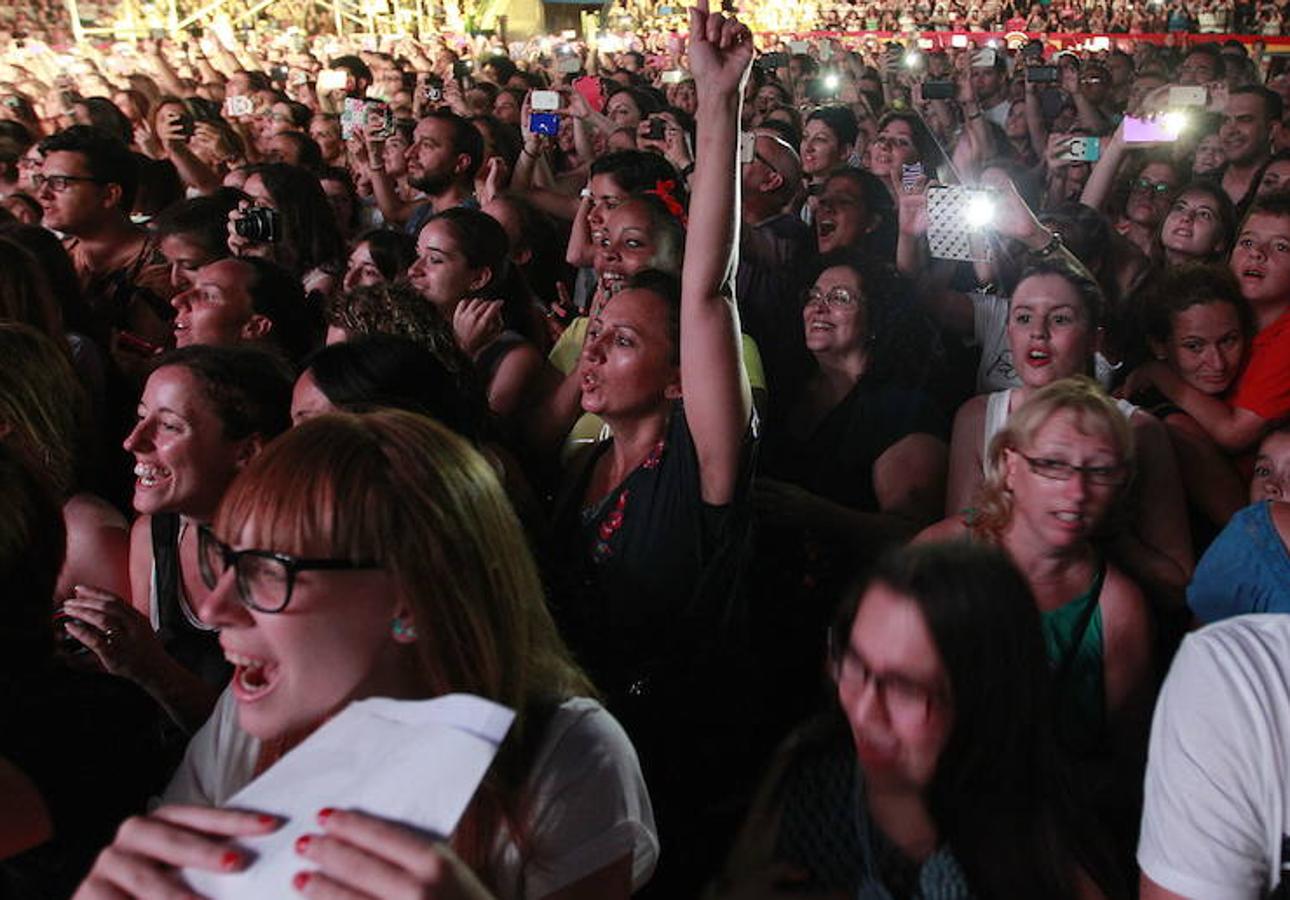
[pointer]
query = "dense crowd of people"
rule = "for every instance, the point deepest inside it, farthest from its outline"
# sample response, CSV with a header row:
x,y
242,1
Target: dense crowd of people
x,y
863,469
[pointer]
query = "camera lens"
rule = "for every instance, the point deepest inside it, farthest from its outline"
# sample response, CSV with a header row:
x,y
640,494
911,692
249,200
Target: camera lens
x,y
259,225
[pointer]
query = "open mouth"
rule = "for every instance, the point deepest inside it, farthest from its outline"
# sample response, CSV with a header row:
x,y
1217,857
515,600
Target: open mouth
x,y
1039,357
612,282
826,227
252,677
148,475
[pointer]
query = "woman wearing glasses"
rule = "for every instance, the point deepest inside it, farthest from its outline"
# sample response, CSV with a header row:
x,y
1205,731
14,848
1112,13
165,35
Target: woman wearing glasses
x,y
317,567
857,461
1052,329
1055,473
940,778
205,412
1136,208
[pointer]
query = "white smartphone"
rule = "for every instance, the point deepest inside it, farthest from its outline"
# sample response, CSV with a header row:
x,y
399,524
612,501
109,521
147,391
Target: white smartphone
x,y
545,100
673,76
1188,95
333,80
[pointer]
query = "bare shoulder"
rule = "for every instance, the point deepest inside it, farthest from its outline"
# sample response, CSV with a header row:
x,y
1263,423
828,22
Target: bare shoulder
x,y
951,528
971,414
84,511
1124,606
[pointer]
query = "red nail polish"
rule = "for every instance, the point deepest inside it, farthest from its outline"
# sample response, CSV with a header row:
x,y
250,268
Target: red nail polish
x,y
300,880
324,815
302,843
267,820
230,860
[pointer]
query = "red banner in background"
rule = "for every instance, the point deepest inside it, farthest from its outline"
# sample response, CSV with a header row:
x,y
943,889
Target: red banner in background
x,y
1055,40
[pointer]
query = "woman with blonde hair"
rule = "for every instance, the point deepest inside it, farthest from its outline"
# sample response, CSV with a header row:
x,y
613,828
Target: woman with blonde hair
x,y
1052,332
423,587
1055,474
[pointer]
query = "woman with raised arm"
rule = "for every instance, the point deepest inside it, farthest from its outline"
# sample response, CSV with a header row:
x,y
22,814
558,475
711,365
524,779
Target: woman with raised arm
x,y
652,520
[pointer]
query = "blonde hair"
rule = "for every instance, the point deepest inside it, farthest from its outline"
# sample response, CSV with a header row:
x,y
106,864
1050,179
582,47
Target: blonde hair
x,y
398,488
1095,413
42,402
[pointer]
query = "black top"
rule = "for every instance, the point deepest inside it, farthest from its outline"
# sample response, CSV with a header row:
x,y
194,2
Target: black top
x,y
91,745
196,649
647,577
836,459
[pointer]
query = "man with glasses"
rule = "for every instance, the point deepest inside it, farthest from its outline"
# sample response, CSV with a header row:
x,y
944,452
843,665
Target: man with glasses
x,y
773,240
86,189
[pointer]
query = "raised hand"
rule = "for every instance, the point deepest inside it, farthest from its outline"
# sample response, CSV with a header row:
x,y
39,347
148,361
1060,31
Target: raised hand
x,y
721,50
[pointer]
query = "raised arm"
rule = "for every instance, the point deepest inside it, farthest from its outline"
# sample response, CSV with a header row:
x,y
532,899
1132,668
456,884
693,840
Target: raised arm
x,y
717,398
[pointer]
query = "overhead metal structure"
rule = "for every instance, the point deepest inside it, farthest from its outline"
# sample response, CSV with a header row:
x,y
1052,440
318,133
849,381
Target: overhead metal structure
x,y
134,19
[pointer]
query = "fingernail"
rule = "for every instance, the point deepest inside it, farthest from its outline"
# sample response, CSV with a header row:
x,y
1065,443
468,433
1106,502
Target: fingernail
x,y
231,860
267,820
300,880
324,815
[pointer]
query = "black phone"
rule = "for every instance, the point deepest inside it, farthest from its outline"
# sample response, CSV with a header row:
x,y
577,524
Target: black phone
x,y
657,130
772,60
462,68
1041,74
938,90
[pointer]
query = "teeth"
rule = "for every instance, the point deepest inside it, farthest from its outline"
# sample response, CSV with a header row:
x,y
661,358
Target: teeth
x,y
1068,516
1038,354
245,662
149,475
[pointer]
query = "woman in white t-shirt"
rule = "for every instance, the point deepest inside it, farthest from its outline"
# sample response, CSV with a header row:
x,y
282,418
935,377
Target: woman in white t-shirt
x,y
376,555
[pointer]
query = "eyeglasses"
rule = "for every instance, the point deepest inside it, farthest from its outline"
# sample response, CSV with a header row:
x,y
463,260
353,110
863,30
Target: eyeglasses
x,y
264,577
1060,470
1146,184
905,699
60,183
835,298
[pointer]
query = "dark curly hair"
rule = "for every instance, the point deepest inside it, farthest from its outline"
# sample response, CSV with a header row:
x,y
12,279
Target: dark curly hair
x,y
906,346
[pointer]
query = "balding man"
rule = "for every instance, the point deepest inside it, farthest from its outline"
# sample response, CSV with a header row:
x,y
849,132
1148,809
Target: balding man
x,y
773,240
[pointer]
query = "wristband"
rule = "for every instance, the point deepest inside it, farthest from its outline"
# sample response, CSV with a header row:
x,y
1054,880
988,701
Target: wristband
x,y
1054,244
687,171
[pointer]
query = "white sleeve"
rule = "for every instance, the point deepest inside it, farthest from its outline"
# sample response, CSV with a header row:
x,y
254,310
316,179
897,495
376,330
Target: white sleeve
x,y
989,316
1207,803
211,770
590,804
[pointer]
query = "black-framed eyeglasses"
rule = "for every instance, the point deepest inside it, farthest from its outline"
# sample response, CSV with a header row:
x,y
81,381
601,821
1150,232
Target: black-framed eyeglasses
x,y
1060,470
264,577
903,697
60,183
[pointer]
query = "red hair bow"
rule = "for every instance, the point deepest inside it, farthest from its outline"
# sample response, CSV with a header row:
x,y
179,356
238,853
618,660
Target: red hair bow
x,y
665,191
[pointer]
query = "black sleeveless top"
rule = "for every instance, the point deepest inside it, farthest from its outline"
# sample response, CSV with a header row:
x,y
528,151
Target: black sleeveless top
x,y
195,649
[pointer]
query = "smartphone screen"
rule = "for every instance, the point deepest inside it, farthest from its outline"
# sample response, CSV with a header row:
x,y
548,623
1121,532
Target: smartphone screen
x,y
1157,130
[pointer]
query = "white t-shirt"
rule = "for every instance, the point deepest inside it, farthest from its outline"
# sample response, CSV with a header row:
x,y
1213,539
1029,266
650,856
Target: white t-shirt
x,y
590,806
990,328
1218,777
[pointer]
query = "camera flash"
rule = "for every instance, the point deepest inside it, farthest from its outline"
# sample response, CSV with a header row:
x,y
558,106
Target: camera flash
x,y
831,82
1174,122
911,59
979,212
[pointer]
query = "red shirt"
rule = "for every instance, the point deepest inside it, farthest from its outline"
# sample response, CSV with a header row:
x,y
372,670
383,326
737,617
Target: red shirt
x,y
1264,386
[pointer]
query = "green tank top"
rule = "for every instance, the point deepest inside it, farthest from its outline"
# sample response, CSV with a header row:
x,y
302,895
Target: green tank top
x,y
1073,636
